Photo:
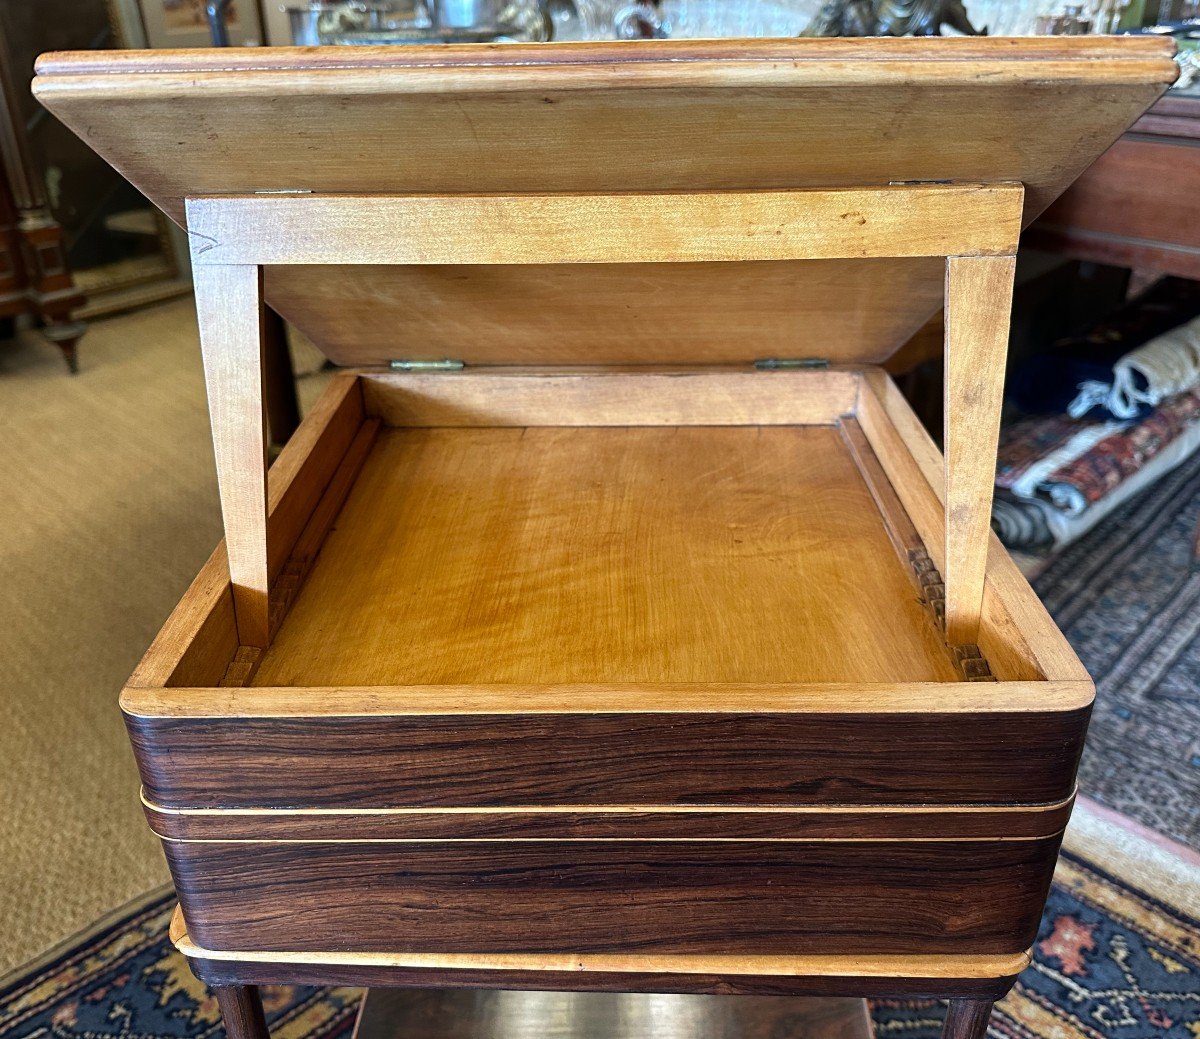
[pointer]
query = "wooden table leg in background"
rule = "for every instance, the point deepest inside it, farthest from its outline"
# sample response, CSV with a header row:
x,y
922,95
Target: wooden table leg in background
x,y
241,1011
967,1019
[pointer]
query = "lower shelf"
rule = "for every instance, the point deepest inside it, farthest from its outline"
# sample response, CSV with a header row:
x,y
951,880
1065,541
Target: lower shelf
x,y
496,1014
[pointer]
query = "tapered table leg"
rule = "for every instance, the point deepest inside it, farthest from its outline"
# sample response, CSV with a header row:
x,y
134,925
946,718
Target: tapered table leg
x,y
967,1019
242,1012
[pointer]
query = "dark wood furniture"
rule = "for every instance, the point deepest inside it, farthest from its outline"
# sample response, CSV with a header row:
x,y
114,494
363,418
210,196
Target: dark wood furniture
x,y
611,623
1138,205
34,276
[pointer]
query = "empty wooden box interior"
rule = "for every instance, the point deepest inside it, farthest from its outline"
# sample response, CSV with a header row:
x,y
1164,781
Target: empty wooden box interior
x,y
658,629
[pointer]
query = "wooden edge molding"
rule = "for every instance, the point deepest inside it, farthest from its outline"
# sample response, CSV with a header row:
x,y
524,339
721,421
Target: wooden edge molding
x,y
772,63
832,698
611,397
808,223
631,809
317,520
1017,634
705,823
538,56
969,661
897,966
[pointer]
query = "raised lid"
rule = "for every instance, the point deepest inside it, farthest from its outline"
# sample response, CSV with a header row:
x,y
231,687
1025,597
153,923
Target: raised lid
x,y
663,116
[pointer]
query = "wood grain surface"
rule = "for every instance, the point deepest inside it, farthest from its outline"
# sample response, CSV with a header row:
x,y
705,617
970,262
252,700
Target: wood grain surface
x,y
794,897
699,313
660,116
199,638
978,304
545,555
241,1012
1018,636
967,1019
229,312
391,761
611,396
934,975
646,227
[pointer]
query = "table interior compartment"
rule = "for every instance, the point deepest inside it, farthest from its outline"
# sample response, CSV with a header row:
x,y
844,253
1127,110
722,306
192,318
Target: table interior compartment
x,y
556,555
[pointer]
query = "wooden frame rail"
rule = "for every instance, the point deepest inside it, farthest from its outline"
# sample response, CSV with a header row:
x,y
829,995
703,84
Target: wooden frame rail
x,y
975,226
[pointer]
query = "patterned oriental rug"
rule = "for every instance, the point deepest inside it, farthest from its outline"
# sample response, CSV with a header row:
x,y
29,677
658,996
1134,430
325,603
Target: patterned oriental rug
x,y
1112,962
1127,596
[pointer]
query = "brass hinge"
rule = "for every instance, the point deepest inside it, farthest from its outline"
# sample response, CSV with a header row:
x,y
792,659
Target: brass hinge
x,y
773,364
447,365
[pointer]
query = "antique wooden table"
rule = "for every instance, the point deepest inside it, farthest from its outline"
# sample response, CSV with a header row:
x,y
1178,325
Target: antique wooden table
x,y
1138,205
610,624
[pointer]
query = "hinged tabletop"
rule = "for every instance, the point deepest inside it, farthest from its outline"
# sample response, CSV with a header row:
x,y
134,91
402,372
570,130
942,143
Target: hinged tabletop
x,y
597,119
657,204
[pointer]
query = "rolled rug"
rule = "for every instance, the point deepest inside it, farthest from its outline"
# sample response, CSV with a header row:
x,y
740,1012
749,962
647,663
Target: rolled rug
x,y
1079,372
1058,478
1167,365
1022,524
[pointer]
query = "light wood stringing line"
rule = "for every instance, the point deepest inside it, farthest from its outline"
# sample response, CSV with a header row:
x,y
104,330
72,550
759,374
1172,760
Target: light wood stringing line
x,y
632,809
895,221
993,839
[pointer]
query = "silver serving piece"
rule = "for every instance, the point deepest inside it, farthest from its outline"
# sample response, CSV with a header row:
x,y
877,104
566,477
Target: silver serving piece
x,y
426,21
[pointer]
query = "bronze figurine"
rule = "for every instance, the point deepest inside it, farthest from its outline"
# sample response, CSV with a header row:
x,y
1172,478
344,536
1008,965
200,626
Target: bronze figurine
x,y
891,18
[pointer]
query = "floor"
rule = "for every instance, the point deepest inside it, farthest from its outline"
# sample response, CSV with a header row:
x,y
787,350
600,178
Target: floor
x,y
1127,596
109,507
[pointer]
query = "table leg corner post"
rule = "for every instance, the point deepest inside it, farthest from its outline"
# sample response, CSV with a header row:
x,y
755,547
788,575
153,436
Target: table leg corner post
x,y
241,1011
967,1019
